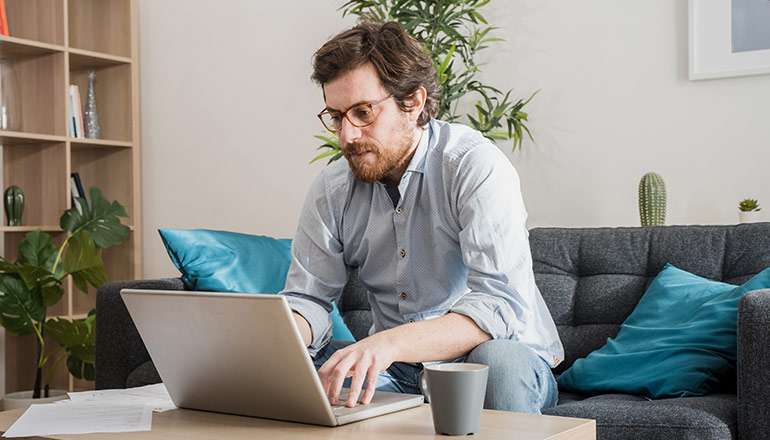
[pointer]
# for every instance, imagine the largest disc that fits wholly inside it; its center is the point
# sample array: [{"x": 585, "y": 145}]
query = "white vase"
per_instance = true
[
  {"x": 749, "y": 216},
  {"x": 23, "y": 399}
]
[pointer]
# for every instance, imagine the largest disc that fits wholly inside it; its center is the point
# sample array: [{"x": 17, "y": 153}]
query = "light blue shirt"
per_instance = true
[{"x": 455, "y": 241}]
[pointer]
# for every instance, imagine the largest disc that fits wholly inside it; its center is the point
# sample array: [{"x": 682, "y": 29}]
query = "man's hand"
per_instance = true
[
  {"x": 440, "y": 339},
  {"x": 363, "y": 361}
]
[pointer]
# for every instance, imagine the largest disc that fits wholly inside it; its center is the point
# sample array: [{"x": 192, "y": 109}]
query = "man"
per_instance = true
[{"x": 431, "y": 214}]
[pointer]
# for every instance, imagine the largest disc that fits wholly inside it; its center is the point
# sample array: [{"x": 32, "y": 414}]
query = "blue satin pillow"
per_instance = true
[
  {"x": 680, "y": 340},
  {"x": 221, "y": 261}
]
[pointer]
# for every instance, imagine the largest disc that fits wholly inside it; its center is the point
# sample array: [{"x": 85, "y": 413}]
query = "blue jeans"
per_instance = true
[{"x": 519, "y": 379}]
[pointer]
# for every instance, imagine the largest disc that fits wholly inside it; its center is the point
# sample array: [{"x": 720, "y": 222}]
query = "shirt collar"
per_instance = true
[{"x": 417, "y": 164}]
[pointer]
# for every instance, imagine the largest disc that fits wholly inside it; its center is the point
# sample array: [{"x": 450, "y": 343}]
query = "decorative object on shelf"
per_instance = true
[
  {"x": 91, "y": 118},
  {"x": 652, "y": 200},
  {"x": 748, "y": 211},
  {"x": 33, "y": 283},
  {"x": 455, "y": 33},
  {"x": 14, "y": 205},
  {"x": 10, "y": 106}
]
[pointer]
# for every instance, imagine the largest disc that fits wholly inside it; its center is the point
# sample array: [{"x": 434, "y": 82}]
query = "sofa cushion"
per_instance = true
[
  {"x": 223, "y": 261},
  {"x": 624, "y": 416},
  {"x": 576, "y": 266},
  {"x": 679, "y": 341}
]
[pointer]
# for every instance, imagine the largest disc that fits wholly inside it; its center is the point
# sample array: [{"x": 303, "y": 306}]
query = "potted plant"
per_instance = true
[
  {"x": 453, "y": 32},
  {"x": 33, "y": 283},
  {"x": 748, "y": 211}
]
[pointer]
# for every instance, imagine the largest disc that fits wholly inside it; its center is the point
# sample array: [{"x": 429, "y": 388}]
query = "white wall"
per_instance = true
[{"x": 228, "y": 114}]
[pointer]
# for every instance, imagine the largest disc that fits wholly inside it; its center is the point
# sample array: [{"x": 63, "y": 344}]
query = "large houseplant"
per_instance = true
[
  {"x": 34, "y": 281},
  {"x": 453, "y": 32}
]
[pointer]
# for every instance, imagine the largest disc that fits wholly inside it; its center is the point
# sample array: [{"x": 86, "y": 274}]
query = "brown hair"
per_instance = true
[{"x": 402, "y": 63}]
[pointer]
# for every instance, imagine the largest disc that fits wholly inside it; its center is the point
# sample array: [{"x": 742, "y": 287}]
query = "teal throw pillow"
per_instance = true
[
  {"x": 680, "y": 340},
  {"x": 222, "y": 261}
]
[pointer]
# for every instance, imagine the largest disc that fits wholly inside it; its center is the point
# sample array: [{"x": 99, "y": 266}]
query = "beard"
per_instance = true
[{"x": 385, "y": 159}]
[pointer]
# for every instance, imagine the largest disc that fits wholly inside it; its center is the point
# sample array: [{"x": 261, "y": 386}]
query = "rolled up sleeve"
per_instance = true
[{"x": 494, "y": 245}]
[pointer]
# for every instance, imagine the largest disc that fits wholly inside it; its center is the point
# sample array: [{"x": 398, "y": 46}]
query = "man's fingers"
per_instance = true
[
  {"x": 339, "y": 373},
  {"x": 326, "y": 370},
  {"x": 371, "y": 384},
  {"x": 359, "y": 375}
]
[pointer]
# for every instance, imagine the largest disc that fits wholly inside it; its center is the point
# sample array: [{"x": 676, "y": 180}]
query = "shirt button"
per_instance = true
[
  {"x": 411, "y": 321},
  {"x": 399, "y": 210},
  {"x": 403, "y": 295},
  {"x": 403, "y": 253}
]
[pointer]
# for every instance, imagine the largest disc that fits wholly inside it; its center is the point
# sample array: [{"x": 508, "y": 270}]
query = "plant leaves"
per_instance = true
[
  {"x": 37, "y": 249},
  {"x": 20, "y": 307},
  {"x": 84, "y": 262},
  {"x": 100, "y": 220},
  {"x": 78, "y": 339}
]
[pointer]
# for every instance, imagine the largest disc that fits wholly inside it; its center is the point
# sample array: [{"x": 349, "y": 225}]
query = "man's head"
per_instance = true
[{"x": 380, "y": 88}]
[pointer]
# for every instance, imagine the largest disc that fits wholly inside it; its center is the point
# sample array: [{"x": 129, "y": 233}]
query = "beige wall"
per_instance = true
[{"x": 228, "y": 114}]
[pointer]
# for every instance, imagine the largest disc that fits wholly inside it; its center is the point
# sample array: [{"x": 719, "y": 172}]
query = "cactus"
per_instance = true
[
  {"x": 748, "y": 205},
  {"x": 652, "y": 200}
]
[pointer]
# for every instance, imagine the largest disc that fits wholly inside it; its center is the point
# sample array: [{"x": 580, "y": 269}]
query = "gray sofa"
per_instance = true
[{"x": 591, "y": 278}]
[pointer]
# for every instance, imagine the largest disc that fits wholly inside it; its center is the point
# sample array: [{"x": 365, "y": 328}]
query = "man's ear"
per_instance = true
[{"x": 416, "y": 102}]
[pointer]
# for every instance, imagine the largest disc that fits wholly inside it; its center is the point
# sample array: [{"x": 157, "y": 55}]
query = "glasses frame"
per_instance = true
[{"x": 345, "y": 114}]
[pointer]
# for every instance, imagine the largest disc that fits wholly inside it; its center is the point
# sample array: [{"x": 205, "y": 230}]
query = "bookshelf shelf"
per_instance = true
[
  {"x": 78, "y": 143},
  {"x": 85, "y": 59},
  {"x": 52, "y": 44},
  {"x": 9, "y": 138},
  {"x": 12, "y": 47}
]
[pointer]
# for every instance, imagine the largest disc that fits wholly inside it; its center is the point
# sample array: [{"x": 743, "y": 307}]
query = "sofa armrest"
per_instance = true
[
  {"x": 119, "y": 348},
  {"x": 754, "y": 364}
]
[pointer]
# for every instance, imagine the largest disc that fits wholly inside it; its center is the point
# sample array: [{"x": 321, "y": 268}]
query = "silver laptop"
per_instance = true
[{"x": 240, "y": 354}]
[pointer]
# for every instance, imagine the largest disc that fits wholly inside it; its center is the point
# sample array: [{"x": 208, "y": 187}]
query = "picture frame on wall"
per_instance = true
[{"x": 728, "y": 38}]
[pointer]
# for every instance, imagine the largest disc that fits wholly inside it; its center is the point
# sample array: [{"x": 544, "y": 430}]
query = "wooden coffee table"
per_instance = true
[{"x": 415, "y": 423}]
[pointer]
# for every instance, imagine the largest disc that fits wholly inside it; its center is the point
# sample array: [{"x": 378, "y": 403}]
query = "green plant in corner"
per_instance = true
[
  {"x": 453, "y": 32},
  {"x": 749, "y": 205},
  {"x": 33, "y": 283}
]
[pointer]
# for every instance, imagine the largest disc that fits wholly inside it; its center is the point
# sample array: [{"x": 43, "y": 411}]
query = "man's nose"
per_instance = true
[{"x": 348, "y": 132}]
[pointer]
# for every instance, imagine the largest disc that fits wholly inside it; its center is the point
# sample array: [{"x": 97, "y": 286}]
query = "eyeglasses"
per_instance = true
[{"x": 358, "y": 116}]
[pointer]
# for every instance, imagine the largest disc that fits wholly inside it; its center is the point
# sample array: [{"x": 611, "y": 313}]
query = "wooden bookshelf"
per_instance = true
[{"x": 52, "y": 44}]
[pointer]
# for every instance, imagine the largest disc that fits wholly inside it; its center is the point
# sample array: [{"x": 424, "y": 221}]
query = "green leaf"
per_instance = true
[
  {"x": 84, "y": 262},
  {"x": 20, "y": 308},
  {"x": 37, "y": 249},
  {"x": 78, "y": 339},
  {"x": 324, "y": 154},
  {"x": 100, "y": 220},
  {"x": 446, "y": 61}
]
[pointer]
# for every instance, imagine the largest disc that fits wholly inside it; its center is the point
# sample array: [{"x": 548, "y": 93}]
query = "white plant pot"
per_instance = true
[
  {"x": 750, "y": 216},
  {"x": 23, "y": 399}
]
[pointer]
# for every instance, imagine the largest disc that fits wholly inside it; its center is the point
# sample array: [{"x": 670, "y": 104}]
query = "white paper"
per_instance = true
[
  {"x": 81, "y": 418},
  {"x": 154, "y": 395}
]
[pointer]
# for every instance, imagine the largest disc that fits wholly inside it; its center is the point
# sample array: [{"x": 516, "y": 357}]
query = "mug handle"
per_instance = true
[{"x": 423, "y": 386}]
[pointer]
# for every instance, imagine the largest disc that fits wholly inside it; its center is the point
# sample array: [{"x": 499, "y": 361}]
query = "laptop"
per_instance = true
[{"x": 240, "y": 354}]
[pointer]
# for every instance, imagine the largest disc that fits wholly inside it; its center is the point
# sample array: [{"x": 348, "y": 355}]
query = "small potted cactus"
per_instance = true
[{"x": 748, "y": 211}]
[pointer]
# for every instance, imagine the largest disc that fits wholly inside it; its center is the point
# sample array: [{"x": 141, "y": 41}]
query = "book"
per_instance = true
[
  {"x": 73, "y": 130},
  {"x": 3, "y": 19},
  {"x": 77, "y": 112},
  {"x": 77, "y": 190}
]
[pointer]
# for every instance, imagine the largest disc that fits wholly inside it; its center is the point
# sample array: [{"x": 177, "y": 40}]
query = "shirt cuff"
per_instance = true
[
  {"x": 319, "y": 319},
  {"x": 488, "y": 312}
]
